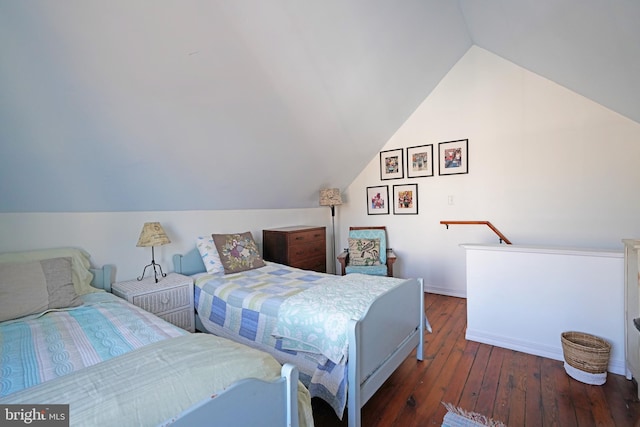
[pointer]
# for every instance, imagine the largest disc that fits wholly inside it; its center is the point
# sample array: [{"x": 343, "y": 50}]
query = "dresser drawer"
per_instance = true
[
  {"x": 304, "y": 237},
  {"x": 167, "y": 300},
  {"x": 184, "y": 318},
  {"x": 318, "y": 264},
  {"x": 306, "y": 250}
]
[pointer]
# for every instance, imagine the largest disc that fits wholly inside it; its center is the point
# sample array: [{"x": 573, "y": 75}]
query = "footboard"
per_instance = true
[
  {"x": 249, "y": 402},
  {"x": 391, "y": 328}
]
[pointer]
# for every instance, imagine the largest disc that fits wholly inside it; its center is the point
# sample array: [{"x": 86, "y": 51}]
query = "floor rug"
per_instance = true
[{"x": 458, "y": 417}]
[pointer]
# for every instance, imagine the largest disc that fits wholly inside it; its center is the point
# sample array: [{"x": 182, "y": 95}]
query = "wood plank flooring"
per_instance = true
[{"x": 516, "y": 388}]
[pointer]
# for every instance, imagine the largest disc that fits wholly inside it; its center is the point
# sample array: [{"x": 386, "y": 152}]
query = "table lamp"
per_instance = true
[{"x": 152, "y": 235}]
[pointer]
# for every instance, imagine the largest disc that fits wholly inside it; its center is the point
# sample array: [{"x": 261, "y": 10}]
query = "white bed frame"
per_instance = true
[
  {"x": 391, "y": 328},
  {"x": 230, "y": 407}
]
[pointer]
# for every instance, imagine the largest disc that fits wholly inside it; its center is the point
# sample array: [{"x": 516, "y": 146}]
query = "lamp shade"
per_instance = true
[
  {"x": 330, "y": 197},
  {"x": 152, "y": 235}
]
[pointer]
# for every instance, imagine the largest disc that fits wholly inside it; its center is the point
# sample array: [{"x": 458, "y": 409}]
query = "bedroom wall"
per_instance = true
[
  {"x": 546, "y": 167},
  {"x": 111, "y": 237}
]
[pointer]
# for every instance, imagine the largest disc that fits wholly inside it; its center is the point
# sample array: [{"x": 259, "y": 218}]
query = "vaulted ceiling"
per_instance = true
[{"x": 201, "y": 104}]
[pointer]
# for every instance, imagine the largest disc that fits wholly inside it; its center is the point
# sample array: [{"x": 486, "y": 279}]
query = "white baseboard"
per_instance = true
[
  {"x": 444, "y": 291},
  {"x": 616, "y": 366}
]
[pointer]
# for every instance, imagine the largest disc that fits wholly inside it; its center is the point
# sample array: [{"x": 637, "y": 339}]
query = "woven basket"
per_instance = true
[{"x": 586, "y": 352}]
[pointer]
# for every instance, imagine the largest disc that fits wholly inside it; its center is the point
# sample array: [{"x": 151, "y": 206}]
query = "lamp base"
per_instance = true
[{"x": 155, "y": 272}]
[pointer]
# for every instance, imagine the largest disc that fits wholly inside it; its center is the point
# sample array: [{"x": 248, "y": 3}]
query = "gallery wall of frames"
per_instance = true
[{"x": 453, "y": 159}]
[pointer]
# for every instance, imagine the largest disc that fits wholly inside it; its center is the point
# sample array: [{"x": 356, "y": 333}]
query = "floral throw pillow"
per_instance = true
[
  {"x": 364, "y": 251},
  {"x": 238, "y": 252}
]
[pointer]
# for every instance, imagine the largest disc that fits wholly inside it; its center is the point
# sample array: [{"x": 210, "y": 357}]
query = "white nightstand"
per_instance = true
[{"x": 171, "y": 298}]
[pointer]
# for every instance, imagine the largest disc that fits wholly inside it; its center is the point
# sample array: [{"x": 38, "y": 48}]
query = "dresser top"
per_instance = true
[{"x": 295, "y": 228}]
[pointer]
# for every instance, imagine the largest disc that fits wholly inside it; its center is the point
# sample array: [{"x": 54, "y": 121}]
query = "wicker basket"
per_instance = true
[{"x": 586, "y": 352}]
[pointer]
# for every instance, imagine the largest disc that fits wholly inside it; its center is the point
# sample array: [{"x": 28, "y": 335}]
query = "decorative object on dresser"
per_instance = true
[
  {"x": 152, "y": 234},
  {"x": 171, "y": 300},
  {"x": 331, "y": 197},
  {"x": 632, "y": 309},
  {"x": 299, "y": 246},
  {"x": 368, "y": 252}
]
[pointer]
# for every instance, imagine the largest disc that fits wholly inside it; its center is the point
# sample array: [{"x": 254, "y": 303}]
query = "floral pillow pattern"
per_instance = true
[
  {"x": 238, "y": 252},
  {"x": 364, "y": 251}
]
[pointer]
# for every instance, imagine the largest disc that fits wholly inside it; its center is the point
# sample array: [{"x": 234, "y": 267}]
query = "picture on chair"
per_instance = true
[
  {"x": 405, "y": 199},
  {"x": 392, "y": 164},
  {"x": 378, "y": 200}
]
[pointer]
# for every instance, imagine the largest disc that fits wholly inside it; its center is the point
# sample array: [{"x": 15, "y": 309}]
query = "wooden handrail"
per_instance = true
[{"x": 487, "y": 223}]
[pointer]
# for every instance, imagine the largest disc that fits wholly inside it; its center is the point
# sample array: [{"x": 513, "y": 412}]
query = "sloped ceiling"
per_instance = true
[{"x": 197, "y": 105}]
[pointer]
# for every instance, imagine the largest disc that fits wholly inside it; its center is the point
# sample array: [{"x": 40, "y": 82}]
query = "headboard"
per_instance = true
[
  {"x": 103, "y": 277},
  {"x": 189, "y": 263}
]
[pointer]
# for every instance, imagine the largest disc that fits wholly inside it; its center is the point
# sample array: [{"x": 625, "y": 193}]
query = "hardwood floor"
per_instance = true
[{"x": 516, "y": 388}]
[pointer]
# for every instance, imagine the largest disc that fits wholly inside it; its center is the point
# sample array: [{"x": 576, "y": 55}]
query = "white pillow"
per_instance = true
[
  {"x": 80, "y": 264},
  {"x": 32, "y": 287},
  {"x": 209, "y": 254}
]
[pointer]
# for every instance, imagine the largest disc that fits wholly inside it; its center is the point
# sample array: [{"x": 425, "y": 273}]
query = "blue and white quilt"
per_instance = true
[
  {"x": 299, "y": 316},
  {"x": 316, "y": 319}
]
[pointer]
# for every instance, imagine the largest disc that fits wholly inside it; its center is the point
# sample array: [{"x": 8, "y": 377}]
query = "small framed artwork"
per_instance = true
[
  {"x": 420, "y": 161},
  {"x": 405, "y": 199},
  {"x": 391, "y": 164},
  {"x": 454, "y": 157},
  {"x": 378, "y": 200}
]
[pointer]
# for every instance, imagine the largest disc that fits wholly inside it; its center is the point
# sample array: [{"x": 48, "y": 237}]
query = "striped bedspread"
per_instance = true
[{"x": 39, "y": 348}]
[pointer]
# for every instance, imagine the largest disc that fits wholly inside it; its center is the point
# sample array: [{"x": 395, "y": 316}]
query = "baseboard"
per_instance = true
[
  {"x": 616, "y": 366},
  {"x": 444, "y": 291}
]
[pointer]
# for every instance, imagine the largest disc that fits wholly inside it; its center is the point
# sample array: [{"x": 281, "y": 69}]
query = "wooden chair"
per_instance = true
[{"x": 387, "y": 256}]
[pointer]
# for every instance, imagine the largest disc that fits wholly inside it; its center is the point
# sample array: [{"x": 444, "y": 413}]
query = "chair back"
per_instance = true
[{"x": 372, "y": 232}]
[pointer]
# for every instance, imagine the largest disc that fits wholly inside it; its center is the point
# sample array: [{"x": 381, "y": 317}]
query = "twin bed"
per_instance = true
[
  {"x": 307, "y": 334},
  {"x": 346, "y": 334},
  {"x": 64, "y": 340}
]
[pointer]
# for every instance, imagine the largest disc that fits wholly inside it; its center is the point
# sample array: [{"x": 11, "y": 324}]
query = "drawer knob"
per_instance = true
[{"x": 165, "y": 300}]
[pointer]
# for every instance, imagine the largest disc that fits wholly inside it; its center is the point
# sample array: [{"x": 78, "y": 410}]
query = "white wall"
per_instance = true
[
  {"x": 111, "y": 237},
  {"x": 546, "y": 166},
  {"x": 524, "y": 297}
]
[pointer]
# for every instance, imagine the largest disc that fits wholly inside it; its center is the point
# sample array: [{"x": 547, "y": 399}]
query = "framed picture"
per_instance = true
[
  {"x": 391, "y": 164},
  {"x": 405, "y": 199},
  {"x": 378, "y": 200},
  {"x": 454, "y": 157},
  {"x": 420, "y": 161}
]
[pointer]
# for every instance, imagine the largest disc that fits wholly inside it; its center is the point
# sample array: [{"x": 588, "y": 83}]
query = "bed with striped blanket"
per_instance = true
[{"x": 115, "y": 364}]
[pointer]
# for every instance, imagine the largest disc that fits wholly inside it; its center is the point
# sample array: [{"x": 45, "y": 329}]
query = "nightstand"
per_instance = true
[{"x": 171, "y": 298}]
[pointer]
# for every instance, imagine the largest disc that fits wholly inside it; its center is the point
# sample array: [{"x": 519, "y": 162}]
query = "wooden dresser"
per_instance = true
[{"x": 298, "y": 246}]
